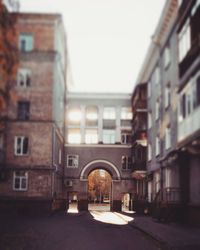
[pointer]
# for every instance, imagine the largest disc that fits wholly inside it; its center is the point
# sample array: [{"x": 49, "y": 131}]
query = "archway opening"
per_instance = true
[{"x": 99, "y": 190}]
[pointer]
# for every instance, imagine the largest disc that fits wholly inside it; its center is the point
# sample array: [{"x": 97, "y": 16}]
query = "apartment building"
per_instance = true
[
  {"x": 139, "y": 150},
  {"x": 188, "y": 138},
  {"x": 31, "y": 177},
  {"x": 171, "y": 70},
  {"x": 160, "y": 72},
  {"x": 98, "y": 136}
]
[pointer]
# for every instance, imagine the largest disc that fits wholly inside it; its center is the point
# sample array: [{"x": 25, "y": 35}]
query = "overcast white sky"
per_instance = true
[{"x": 107, "y": 39}]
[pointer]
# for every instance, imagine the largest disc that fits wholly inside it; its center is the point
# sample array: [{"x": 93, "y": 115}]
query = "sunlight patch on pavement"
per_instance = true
[
  {"x": 72, "y": 209},
  {"x": 111, "y": 217}
]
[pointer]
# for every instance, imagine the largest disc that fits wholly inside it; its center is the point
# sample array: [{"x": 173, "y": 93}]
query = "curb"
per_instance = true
[{"x": 162, "y": 244}]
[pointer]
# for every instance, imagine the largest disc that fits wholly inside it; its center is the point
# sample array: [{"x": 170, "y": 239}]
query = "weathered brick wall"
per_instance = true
[
  {"x": 39, "y": 185},
  {"x": 41, "y": 26},
  {"x": 40, "y": 144}
]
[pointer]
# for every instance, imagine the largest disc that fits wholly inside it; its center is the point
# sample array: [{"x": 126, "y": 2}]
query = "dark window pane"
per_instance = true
[
  {"x": 23, "y": 110},
  {"x": 25, "y": 145},
  {"x": 17, "y": 183},
  {"x": 19, "y": 141},
  {"x": 23, "y": 183}
]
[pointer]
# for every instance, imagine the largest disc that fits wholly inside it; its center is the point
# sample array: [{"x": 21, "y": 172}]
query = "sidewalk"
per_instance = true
[{"x": 170, "y": 236}]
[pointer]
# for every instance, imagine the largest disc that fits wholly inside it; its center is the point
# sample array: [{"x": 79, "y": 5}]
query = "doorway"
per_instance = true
[{"x": 99, "y": 190}]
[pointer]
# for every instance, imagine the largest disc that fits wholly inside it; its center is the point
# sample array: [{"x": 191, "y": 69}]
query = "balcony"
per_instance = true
[
  {"x": 140, "y": 105},
  {"x": 171, "y": 195},
  {"x": 139, "y": 165},
  {"x": 191, "y": 56},
  {"x": 189, "y": 125}
]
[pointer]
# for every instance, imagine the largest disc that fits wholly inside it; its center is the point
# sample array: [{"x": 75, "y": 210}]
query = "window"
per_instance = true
[
  {"x": 109, "y": 113},
  {"x": 74, "y": 116},
  {"x": 23, "y": 110},
  {"x": 195, "y": 7},
  {"x": 149, "y": 88},
  {"x": 26, "y": 42},
  {"x": 126, "y": 137},
  {"x": 126, "y": 113},
  {"x": 157, "y": 109},
  {"x": 167, "y": 96},
  {"x": 21, "y": 145},
  {"x": 198, "y": 91},
  {"x": 126, "y": 162},
  {"x": 157, "y": 146},
  {"x": 167, "y": 137},
  {"x": 74, "y": 136},
  {"x": 72, "y": 161},
  {"x": 149, "y": 120},
  {"x": 108, "y": 136},
  {"x": 91, "y": 116},
  {"x": 20, "y": 181},
  {"x": 24, "y": 78},
  {"x": 167, "y": 57},
  {"x": 156, "y": 75},
  {"x": 184, "y": 40},
  {"x": 59, "y": 156},
  {"x": 91, "y": 136},
  {"x": 149, "y": 152}
]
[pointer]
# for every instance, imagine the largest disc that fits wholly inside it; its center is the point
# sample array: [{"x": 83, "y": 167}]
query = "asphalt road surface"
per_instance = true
[{"x": 95, "y": 230}]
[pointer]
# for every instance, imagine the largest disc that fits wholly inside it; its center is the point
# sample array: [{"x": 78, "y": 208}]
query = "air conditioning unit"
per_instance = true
[{"x": 68, "y": 183}]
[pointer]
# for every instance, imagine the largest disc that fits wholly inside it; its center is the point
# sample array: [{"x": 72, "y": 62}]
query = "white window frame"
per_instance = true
[
  {"x": 149, "y": 152},
  {"x": 21, "y": 178},
  {"x": 74, "y": 136},
  {"x": 124, "y": 137},
  {"x": 168, "y": 137},
  {"x": 128, "y": 162},
  {"x": 91, "y": 136},
  {"x": 157, "y": 109},
  {"x": 184, "y": 40},
  {"x": 167, "y": 96},
  {"x": 21, "y": 145},
  {"x": 109, "y": 113},
  {"x": 29, "y": 42},
  {"x": 167, "y": 57},
  {"x": 149, "y": 88},
  {"x": 23, "y": 76},
  {"x": 74, "y": 159},
  {"x": 126, "y": 113},
  {"x": 149, "y": 120},
  {"x": 157, "y": 145},
  {"x": 109, "y": 134},
  {"x": 59, "y": 156}
]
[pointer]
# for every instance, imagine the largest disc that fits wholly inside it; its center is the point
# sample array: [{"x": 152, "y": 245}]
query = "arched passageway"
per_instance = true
[{"x": 114, "y": 196}]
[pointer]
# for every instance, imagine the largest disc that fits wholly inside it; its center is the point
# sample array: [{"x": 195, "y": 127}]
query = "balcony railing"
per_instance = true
[{"x": 171, "y": 195}]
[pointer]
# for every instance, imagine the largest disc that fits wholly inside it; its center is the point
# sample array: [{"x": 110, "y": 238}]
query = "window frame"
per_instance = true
[
  {"x": 73, "y": 157},
  {"x": 127, "y": 163},
  {"x": 23, "y": 110},
  {"x": 21, "y": 178},
  {"x": 21, "y": 146},
  {"x": 26, "y": 75},
  {"x": 28, "y": 40}
]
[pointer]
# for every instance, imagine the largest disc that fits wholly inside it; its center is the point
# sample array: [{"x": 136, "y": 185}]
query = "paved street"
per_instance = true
[{"x": 95, "y": 230}]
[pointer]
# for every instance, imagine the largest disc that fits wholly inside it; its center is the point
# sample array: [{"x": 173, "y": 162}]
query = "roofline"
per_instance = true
[{"x": 165, "y": 22}]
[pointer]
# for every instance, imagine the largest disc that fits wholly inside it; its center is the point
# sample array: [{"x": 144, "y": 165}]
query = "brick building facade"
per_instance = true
[{"x": 34, "y": 141}]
